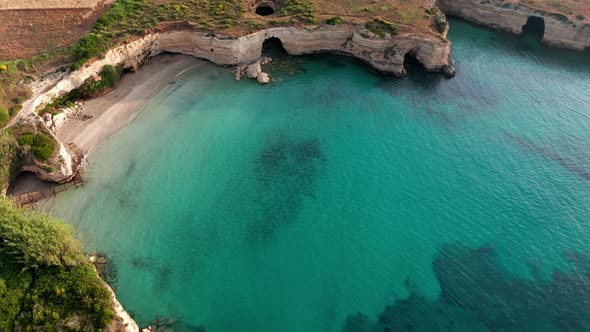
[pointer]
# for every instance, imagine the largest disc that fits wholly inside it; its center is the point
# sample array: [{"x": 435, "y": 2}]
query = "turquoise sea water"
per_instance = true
[{"x": 339, "y": 200}]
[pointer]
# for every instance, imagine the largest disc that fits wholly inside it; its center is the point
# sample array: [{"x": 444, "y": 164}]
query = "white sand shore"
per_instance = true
[{"x": 116, "y": 109}]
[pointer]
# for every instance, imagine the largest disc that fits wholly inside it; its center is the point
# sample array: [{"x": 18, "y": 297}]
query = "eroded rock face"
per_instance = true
[
  {"x": 385, "y": 54},
  {"x": 496, "y": 14},
  {"x": 122, "y": 322},
  {"x": 56, "y": 169}
]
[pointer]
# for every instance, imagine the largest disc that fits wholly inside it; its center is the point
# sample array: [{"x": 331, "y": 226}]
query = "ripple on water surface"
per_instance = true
[{"x": 339, "y": 200}]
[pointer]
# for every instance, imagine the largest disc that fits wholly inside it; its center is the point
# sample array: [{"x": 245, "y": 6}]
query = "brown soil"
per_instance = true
[{"x": 29, "y": 32}]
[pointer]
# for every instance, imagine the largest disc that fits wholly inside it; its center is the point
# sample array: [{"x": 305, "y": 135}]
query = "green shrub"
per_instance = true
[
  {"x": 336, "y": 20},
  {"x": 10, "y": 158},
  {"x": 61, "y": 292},
  {"x": 302, "y": 10},
  {"x": 13, "y": 111},
  {"x": 44, "y": 278},
  {"x": 38, "y": 240},
  {"x": 43, "y": 146},
  {"x": 4, "y": 116},
  {"x": 14, "y": 284},
  {"x": 380, "y": 26},
  {"x": 580, "y": 17},
  {"x": 441, "y": 23},
  {"x": 25, "y": 139},
  {"x": 18, "y": 99},
  {"x": 109, "y": 77}
]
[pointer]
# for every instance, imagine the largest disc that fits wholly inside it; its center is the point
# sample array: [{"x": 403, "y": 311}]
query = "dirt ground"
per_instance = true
[
  {"x": 28, "y": 32},
  {"x": 49, "y": 4}
]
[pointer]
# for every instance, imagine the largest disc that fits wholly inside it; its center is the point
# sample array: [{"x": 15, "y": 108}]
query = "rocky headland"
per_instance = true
[{"x": 560, "y": 30}]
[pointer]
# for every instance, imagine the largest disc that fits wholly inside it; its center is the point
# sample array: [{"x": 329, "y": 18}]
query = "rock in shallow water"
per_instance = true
[
  {"x": 254, "y": 70},
  {"x": 263, "y": 78}
]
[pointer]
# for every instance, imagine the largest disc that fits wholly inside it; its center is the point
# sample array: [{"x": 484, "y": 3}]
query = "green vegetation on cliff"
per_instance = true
[
  {"x": 10, "y": 158},
  {"x": 109, "y": 77},
  {"x": 45, "y": 282},
  {"x": 129, "y": 17}
]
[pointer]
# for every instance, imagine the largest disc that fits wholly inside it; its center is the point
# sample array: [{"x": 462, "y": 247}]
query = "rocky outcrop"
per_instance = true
[
  {"x": 559, "y": 30},
  {"x": 384, "y": 54},
  {"x": 122, "y": 322},
  {"x": 58, "y": 167}
]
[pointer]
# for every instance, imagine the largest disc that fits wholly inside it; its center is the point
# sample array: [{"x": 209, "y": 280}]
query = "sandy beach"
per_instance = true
[
  {"x": 105, "y": 115},
  {"x": 109, "y": 113}
]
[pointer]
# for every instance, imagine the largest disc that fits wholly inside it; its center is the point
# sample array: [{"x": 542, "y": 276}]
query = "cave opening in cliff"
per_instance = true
[
  {"x": 411, "y": 64},
  {"x": 273, "y": 47},
  {"x": 264, "y": 9},
  {"x": 534, "y": 27}
]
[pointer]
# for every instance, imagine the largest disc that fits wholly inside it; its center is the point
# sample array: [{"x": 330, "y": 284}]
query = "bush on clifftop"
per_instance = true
[
  {"x": 45, "y": 282},
  {"x": 10, "y": 158},
  {"x": 37, "y": 239},
  {"x": 336, "y": 20}
]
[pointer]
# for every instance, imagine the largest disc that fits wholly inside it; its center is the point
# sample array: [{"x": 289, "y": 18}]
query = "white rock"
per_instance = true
[
  {"x": 263, "y": 78},
  {"x": 254, "y": 69}
]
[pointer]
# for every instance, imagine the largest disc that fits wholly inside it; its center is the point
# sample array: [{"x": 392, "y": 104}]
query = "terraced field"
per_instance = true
[
  {"x": 29, "y": 28},
  {"x": 49, "y": 4}
]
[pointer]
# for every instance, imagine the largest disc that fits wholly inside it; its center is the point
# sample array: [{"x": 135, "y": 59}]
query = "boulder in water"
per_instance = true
[
  {"x": 263, "y": 78},
  {"x": 254, "y": 70}
]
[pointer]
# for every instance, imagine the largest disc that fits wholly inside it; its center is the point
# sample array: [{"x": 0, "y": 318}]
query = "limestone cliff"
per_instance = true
[
  {"x": 559, "y": 30},
  {"x": 56, "y": 169},
  {"x": 385, "y": 54},
  {"x": 122, "y": 322}
]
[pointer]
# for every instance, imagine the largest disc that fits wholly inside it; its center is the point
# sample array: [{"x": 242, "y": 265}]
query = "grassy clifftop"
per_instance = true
[{"x": 46, "y": 284}]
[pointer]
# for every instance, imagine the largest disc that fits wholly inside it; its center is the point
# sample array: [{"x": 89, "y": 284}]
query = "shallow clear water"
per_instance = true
[{"x": 421, "y": 204}]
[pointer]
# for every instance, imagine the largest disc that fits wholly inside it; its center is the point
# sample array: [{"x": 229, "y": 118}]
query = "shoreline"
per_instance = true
[
  {"x": 118, "y": 108},
  {"x": 112, "y": 111}
]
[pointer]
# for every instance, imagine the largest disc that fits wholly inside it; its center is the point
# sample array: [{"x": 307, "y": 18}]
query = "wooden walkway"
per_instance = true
[{"x": 28, "y": 200}]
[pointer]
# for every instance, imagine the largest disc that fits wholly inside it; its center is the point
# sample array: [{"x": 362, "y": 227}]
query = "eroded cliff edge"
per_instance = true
[
  {"x": 560, "y": 31},
  {"x": 386, "y": 54}
]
